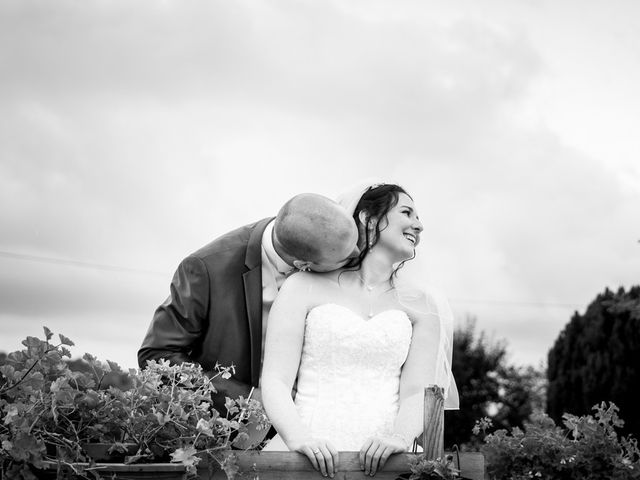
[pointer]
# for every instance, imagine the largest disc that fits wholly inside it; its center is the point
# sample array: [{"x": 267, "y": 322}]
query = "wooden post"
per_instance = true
[{"x": 433, "y": 433}]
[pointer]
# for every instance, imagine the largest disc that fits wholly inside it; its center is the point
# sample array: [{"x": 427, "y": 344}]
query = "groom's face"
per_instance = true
[
  {"x": 337, "y": 258},
  {"x": 329, "y": 266}
]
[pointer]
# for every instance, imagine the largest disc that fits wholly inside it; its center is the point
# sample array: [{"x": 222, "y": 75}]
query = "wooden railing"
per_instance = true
[
  {"x": 256, "y": 465},
  {"x": 260, "y": 465},
  {"x": 433, "y": 423}
]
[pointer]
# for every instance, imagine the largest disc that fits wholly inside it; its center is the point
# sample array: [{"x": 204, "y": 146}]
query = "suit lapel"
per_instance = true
[{"x": 253, "y": 296}]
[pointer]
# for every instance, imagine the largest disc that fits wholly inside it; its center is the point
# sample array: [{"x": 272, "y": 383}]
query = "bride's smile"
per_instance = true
[{"x": 400, "y": 231}]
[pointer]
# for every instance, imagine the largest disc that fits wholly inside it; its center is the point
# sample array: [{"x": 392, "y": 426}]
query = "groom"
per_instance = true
[{"x": 221, "y": 295}]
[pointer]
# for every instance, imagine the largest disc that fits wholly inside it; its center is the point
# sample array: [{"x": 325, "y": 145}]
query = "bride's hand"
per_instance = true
[
  {"x": 323, "y": 456},
  {"x": 376, "y": 451}
]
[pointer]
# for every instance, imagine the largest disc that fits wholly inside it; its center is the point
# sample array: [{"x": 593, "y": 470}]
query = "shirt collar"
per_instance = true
[{"x": 275, "y": 259}]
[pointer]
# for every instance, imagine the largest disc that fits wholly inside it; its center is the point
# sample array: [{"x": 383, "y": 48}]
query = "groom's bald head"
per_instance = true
[{"x": 314, "y": 231}]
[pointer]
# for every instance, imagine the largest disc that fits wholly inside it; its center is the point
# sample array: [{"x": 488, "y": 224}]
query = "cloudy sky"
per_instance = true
[{"x": 132, "y": 133}]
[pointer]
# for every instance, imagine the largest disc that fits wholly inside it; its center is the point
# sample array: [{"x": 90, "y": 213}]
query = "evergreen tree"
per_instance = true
[{"x": 597, "y": 358}]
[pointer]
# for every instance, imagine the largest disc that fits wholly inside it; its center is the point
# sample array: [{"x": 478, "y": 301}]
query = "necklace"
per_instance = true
[{"x": 370, "y": 288}]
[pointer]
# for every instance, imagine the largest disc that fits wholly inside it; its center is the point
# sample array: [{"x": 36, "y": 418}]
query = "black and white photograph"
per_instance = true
[{"x": 328, "y": 238}]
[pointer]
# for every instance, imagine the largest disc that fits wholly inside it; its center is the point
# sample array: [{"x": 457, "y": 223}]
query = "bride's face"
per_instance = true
[{"x": 400, "y": 232}]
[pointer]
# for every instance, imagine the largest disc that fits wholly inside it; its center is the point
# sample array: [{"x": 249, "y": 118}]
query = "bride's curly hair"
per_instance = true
[{"x": 377, "y": 201}]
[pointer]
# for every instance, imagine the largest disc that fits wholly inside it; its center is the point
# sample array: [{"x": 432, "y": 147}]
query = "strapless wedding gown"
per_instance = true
[{"x": 349, "y": 375}]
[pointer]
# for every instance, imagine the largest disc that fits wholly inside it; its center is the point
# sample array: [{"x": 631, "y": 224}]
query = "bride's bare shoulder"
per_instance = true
[{"x": 305, "y": 280}]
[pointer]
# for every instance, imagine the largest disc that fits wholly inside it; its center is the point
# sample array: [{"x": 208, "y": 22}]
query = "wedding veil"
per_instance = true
[{"x": 424, "y": 301}]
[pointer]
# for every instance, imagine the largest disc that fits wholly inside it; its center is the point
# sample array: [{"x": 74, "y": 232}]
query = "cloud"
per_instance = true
[
  {"x": 101, "y": 109},
  {"x": 134, "y": 133}
]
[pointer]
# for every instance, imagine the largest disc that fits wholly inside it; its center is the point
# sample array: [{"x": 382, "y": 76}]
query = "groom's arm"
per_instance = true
[{"x": 179, "y": 326}]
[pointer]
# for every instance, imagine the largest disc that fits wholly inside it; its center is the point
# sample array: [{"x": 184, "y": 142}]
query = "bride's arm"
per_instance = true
[
  {"x": 419, "y": 370},
  {"x": 283, "y": 349}
]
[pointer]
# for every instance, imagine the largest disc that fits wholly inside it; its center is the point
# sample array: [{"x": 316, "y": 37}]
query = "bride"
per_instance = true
[{"x": 361, "y": 344}]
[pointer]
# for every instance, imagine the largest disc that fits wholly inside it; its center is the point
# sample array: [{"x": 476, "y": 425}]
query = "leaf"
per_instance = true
[
  {"x": 186, "y": 456},
  {"x": 48, "y": 334},
  {"x": 135, "y": 458},
  {"x": 57, "y": 384},
  {"x": 114, "y": 367},
  {"x": 162, "y": 419},
  {"x": 230, "y": 466},
  {"x": 89, "y": 358},
  {"x": 65, "y": 341},
  {"x": 204, "y": 427},
  {"x": 12, "y": 413},
  {"x": 118, "y": 447},
  {"x": 7, "y": 371},
  {"x": 27, "y": 447},
  {"x": 32, "y": 342},
  {"x": 241, "y": 439},
  {"x": 65, "y": 352},
  {"x": 17, "y": 357}
]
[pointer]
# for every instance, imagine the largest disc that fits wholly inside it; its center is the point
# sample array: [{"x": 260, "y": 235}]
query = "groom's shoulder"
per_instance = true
[{"x": 235, "y": 241}]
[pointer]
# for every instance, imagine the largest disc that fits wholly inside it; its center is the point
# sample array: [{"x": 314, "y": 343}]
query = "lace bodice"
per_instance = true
[{"x": 349, "y": 374}]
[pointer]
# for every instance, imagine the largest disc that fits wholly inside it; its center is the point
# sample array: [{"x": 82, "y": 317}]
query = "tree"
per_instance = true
[
  {"x": 597, "y": 358},
  {"x": 489, "y": 387},
  {"x": 476, "y": 363},
  {"x": 522, "y": 393}
]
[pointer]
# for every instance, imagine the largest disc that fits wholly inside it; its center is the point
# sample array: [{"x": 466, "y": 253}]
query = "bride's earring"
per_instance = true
[
  {"x": 370, "y": 237},
  {"x": 368, "y": 226}
]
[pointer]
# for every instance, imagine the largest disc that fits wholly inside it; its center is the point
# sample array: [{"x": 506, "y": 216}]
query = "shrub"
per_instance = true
[
  {"x": 586, "y": 448},
  {"x": 50, "y": 413}
]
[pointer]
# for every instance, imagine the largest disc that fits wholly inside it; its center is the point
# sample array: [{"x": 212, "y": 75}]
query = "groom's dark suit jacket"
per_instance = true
[{"x": 214, "y": 312}]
